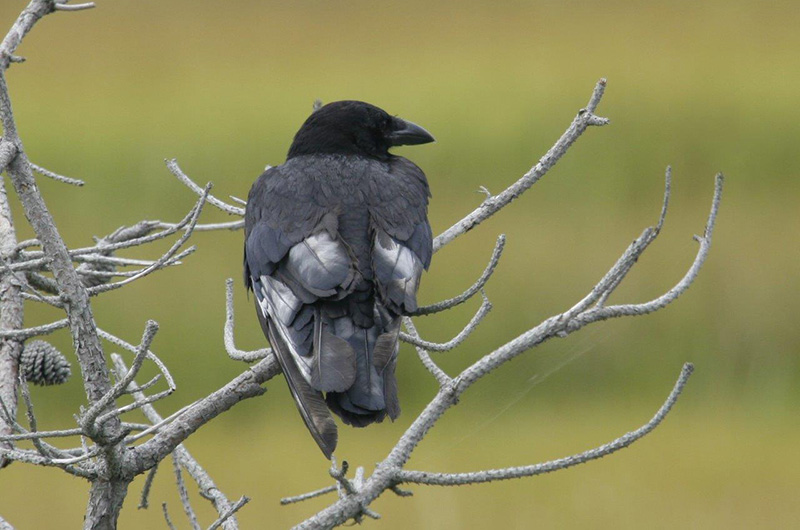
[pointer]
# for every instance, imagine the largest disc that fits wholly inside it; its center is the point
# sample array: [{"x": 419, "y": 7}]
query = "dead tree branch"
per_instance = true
[
  {"x": 390, "y": 472},
  {"x": 109, "y": 456}
]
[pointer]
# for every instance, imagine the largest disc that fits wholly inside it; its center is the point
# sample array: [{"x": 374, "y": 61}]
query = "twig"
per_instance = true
[
  {"x": 473, "y": 289},
  {"x": 425, "y": 357},
  {"x": 174, "y": 168},
  {"x": 492, "y": 205},
  {"x": 458, "y": 479},
  {"x": 88, "y": 419},
  {"x": 483, "y": 310},
  {"x": 64, "y": 433},
  {"x": 208, "y": 227},
  {"x": 155, "y": 426},
  {"x": 310, "y": 495},
  {"x": 59, "y": 6},
  {"x": 166, "y": 516},
  {"x": 113, "y": 339},
  {"x": 191, "y": 222},
  {"x": 345, "y": 487},
  {"x": 148, "y": 484},
  {"x": 208, "y": 488},
  {"x": 26, "y": 333},
  {"x": 31, "y": 415},
  {"x": 230, "y": 344},
  {"x": 229, "y": 513},
  {"x": 187, "y": 506},
  {"x": 56, "y": 176}
]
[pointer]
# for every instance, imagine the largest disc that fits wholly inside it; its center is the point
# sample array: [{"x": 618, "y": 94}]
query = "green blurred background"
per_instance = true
[{"x": 107, "y": 94}]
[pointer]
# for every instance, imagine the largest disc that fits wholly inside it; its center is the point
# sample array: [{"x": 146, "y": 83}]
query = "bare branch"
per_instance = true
[
  {"x": 29, "y": 16},
  {"x": 149, "y": 429},
  {"x": 113, "y": 339},
  {"x": 148, "y": 484},
  {"x": 387, "y": 472},
  {"x": 425, "y": 357},
  {"x": 208, "y": 227},
  {"x": 229, "y": 513},
  {"x": 42, "y": 434},
  {"x": 88, "y": 419},
  {"x": 187, "y": 506},
  {"x": 169, "y": 254},
  {"x": 55, "y": 176},
  {"x": 458, "y": 479},
  {"x": 310, "y": 495},
  {"x": 5, "y": 525},
  {"x": 63, "y": 6},
  {"x": 492, "y": 205},
  {"x": 166, "y": 516},
  {"x": 26, "y": 333},
  {"x": 208, "y": 489},
  {"x": 648, "y": 237},
  {"x": 483, "y": 310},
  {"x": 244, "y": 386},
  {"x": 230, "y": 344},
  {"x": 175, "y": 169},
  {"x": 474, "y": 288},
  {"x": 603, "y": 313}
]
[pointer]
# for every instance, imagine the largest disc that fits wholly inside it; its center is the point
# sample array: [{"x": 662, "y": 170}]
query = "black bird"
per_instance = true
[{"x": 336, "y": 239}]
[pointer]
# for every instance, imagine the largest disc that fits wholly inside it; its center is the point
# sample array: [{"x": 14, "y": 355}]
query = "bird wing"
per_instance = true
[
  {"x": 403, "y": 241},
  {"x": 293, "y": 257}
]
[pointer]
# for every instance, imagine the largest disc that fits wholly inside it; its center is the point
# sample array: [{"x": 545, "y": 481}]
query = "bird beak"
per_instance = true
[{"x": 409, "y": 133}]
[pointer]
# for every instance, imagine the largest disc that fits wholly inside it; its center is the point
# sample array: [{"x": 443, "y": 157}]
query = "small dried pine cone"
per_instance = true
[{"x": 43, "y": 364}]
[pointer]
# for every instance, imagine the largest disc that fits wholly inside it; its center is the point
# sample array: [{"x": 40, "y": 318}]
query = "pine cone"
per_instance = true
[{"x": 43, "y": 364}]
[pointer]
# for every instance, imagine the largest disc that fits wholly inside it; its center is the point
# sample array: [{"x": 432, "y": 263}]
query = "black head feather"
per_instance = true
[{"x": 354, "y": 128}]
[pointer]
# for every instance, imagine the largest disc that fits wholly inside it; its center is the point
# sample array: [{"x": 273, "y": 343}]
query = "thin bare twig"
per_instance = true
[
  {"x": 310, "y": 495},
  {"x": 229, "y": 513},
  {"x": 174, "y": 168},
  {"x": 144, "y": 501},
  {"x": 187, "y": 506},
  {"x": 55, "y": 176},
  {"x": 63, "y": 6},
  {"x": 425, "y": 357},
  {"x": 113, "y": 339},
  {"x": 473, "y": 289},
  {"x": 166, "y": 516},
  {"x": 483, "y": 310},
  {"x": 230, "y": 344},
  {"x": 26, "y": 333},
  {"x": 88, "y": 419}
]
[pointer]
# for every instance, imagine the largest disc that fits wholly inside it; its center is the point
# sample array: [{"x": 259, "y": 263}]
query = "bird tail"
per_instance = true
[
  {"x": 309, "y": 401},
  {"x": 373, "y": 394}
]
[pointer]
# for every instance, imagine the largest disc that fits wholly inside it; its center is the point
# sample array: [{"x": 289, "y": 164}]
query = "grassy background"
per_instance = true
[{"x": 107, "y": 94}]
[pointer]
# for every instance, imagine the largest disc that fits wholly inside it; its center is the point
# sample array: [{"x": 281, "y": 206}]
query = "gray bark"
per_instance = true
[{"x": 11, "y": 313}]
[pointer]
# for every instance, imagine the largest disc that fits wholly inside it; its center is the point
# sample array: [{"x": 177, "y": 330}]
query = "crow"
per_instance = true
[{"x": 336, "y": 240}]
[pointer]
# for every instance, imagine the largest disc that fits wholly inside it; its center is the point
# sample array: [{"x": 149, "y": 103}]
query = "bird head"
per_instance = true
[{"x": 357, "y": 128}]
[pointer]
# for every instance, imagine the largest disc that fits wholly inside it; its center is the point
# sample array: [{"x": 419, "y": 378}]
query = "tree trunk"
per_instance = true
[{"x": 105, "y": 502}]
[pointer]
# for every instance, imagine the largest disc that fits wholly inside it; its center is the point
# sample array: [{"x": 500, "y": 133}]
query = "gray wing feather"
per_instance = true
[
  {"x": 398, "y": 271},
  {"x": 334, "y": 367},
  {"x": 321, "y": 264},
  {"x": 309, "y": 402}
]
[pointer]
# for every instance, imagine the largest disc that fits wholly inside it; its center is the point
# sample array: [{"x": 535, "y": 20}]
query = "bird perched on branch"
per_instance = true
[{"x": 336, "y": 239}]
